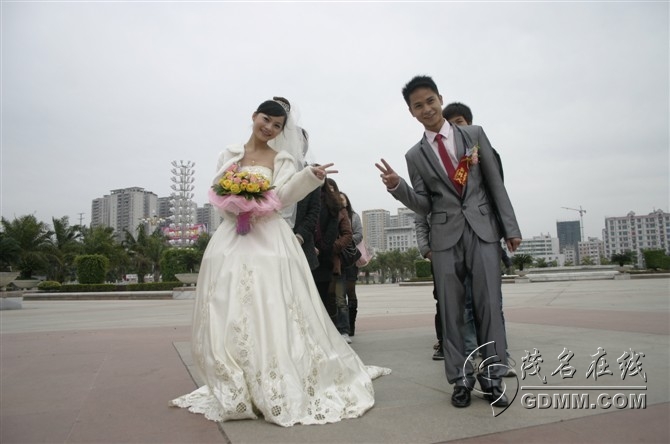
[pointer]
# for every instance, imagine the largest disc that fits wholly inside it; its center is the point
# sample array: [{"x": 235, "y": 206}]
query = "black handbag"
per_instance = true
[{"x": 349, "y": 255}]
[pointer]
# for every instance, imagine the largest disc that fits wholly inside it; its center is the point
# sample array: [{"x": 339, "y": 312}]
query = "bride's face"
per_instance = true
[{"x": 267, "y": 127}]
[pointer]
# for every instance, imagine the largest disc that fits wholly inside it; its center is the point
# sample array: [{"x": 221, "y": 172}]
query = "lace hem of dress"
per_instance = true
[
  {"x": 203, "y": 402},
  {"x": 375, "y": 372}
]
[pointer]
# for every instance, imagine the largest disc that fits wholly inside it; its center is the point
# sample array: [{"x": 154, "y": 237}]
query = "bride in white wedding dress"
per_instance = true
[{"x": 262, "y": 339}]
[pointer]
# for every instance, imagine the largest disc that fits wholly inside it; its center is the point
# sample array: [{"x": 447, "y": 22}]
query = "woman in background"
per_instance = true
[
  {"x": 350, "y": 273},
  {"x": 333, "y": 234}
]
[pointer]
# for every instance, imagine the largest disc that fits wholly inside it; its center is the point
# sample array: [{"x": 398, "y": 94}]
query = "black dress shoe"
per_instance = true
[
  {"x": 496, "y": 397},
  {"x": 461, "y": 396},
  {"x": 493, "y": 390}
]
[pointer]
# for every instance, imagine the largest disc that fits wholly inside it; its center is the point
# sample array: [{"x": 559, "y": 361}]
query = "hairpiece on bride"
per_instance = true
[{"x": 284, "y": 103}]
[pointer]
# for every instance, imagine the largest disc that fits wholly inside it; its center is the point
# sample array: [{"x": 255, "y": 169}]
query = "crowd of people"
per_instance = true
[{"x": 276, "y": 303}]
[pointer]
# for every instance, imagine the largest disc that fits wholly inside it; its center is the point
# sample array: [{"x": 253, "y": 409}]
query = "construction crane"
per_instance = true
[{"x": 581, "y": 218}]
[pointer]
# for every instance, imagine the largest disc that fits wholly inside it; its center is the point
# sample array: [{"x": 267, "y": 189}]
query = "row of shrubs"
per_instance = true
[
  {"x": 54, "y": 286},
  {"x": 92, "y": 268},
  {"x": 653, "y": 259}
]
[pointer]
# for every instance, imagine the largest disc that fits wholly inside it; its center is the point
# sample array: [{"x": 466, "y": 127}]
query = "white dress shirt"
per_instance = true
[{"x": 448, "y": 139}]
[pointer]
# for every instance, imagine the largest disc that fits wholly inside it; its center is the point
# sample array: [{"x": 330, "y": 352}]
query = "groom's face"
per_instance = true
[{"x": 426, "y": 107}]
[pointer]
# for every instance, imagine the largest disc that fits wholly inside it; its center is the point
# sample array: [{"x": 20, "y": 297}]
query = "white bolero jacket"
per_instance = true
[{"x": 290, "y": 186}]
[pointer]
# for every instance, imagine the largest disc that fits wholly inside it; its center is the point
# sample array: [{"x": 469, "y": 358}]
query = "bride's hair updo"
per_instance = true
[
  {"x": 283, "y": 102},
  {"x": 275, "y": 108}
]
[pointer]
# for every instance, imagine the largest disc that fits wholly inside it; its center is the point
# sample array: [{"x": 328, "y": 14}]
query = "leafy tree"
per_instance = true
[
  {"x": 423, "y": 268},
  {"x": 178, "y": 260},
  {"x": 541, "y": 263},
  {"x": 383, "y": 265},
  {"x": 66, "y": 245},
  {"x": 371, "y": 267},
  {"x": 91, "y": 268},
  {"x": 624, "y": 258},
  {"x": 395, "y": 264},
  {"x": 137, "y": 252},
  {"x": 145, "y": 252},
  {"x": 101, "y": 240},
  {"x": 409, "y": 258},
  {"x": 33, "y": 239},
  {"x": 520, "y": 260},
  {"x": 157, "y": 244},
  {"x": 588, "y": 260},
  {"x": 10, "y": 252},
  {"x": 200, "y": 246},
  {"x": 656, "y": 259}
]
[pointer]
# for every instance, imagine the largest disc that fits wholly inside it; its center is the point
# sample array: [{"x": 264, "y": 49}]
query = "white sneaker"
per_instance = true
[{"x": 346, "y": 337}]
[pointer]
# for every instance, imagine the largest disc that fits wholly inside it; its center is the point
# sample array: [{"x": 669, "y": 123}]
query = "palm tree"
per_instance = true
[
  {"x": 10, "y": 252},
  {"x": 101, "y": 240},
  {"x": 157, "y": 243},
  {"x": 34, "y": 240},
  {"x": 382, "y": 265},
  {"x": 521, "y": 259},
  {"x": 627, "y": 257},
  {"x": 145, "y": 251},
  {"x": 588, "y": 260},
  {"x": 396, "y": 261},
  {"x": 409, "y": 257},
  {"x": 371, "y": 267},
  {"x": 136, "y": 250},
  {"x": 66, "y": 246}
]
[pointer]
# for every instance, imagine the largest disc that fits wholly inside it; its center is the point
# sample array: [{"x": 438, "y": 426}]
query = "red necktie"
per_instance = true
[{"x": 447, "y": 162}]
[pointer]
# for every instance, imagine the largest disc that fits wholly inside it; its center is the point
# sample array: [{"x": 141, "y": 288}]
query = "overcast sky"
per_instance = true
[{"x": 100, "y": 96}]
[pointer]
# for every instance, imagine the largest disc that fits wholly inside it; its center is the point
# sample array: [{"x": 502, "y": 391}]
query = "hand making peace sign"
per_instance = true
[
  {"x": 322, "y": 170},
  {"x": 389, "y": 176}
]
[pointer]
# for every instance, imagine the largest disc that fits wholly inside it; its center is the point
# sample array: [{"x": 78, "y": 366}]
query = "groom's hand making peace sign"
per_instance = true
[
  {"x": 389, "y": 176},
  {"x": 391, "y": 180}
]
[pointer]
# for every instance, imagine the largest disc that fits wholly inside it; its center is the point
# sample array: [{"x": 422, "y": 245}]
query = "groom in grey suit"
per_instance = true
[{"x": 456, "y": 181}]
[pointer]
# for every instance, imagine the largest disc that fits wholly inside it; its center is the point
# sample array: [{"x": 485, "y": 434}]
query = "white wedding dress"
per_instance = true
[{"x": 262, "y": 339}]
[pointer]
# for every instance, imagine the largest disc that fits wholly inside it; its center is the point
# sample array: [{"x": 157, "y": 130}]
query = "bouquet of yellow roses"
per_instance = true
[{"x": 244, "y": 193}]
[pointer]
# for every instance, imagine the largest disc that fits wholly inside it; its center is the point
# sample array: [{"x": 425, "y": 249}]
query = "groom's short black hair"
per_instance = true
[
  {"x": 418, "y": 82},
  {"x": 456, "y": 109}
]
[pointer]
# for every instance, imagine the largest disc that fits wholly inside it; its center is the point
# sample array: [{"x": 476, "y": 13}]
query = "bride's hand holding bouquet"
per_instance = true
[{"x": 246, "y": 194}]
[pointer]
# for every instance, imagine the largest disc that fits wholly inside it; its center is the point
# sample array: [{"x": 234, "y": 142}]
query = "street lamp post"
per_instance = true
[{"x": 152, "y": 222}]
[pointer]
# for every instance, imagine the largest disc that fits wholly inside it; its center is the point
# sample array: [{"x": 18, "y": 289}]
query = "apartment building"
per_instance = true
[{"x": 637, "y": 233}]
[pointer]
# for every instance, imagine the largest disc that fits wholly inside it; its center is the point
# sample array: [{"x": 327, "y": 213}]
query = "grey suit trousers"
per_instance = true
[{"x": 471, "y": 255}]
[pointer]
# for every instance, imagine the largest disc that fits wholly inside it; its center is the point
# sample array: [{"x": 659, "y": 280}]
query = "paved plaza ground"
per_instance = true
[{"x": 104, "y": 371}]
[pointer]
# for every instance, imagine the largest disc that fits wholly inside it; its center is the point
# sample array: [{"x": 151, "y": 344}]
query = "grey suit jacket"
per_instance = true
[
  {"x": 422, "y": 229},
  {"x": 483, "y": 197}
]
